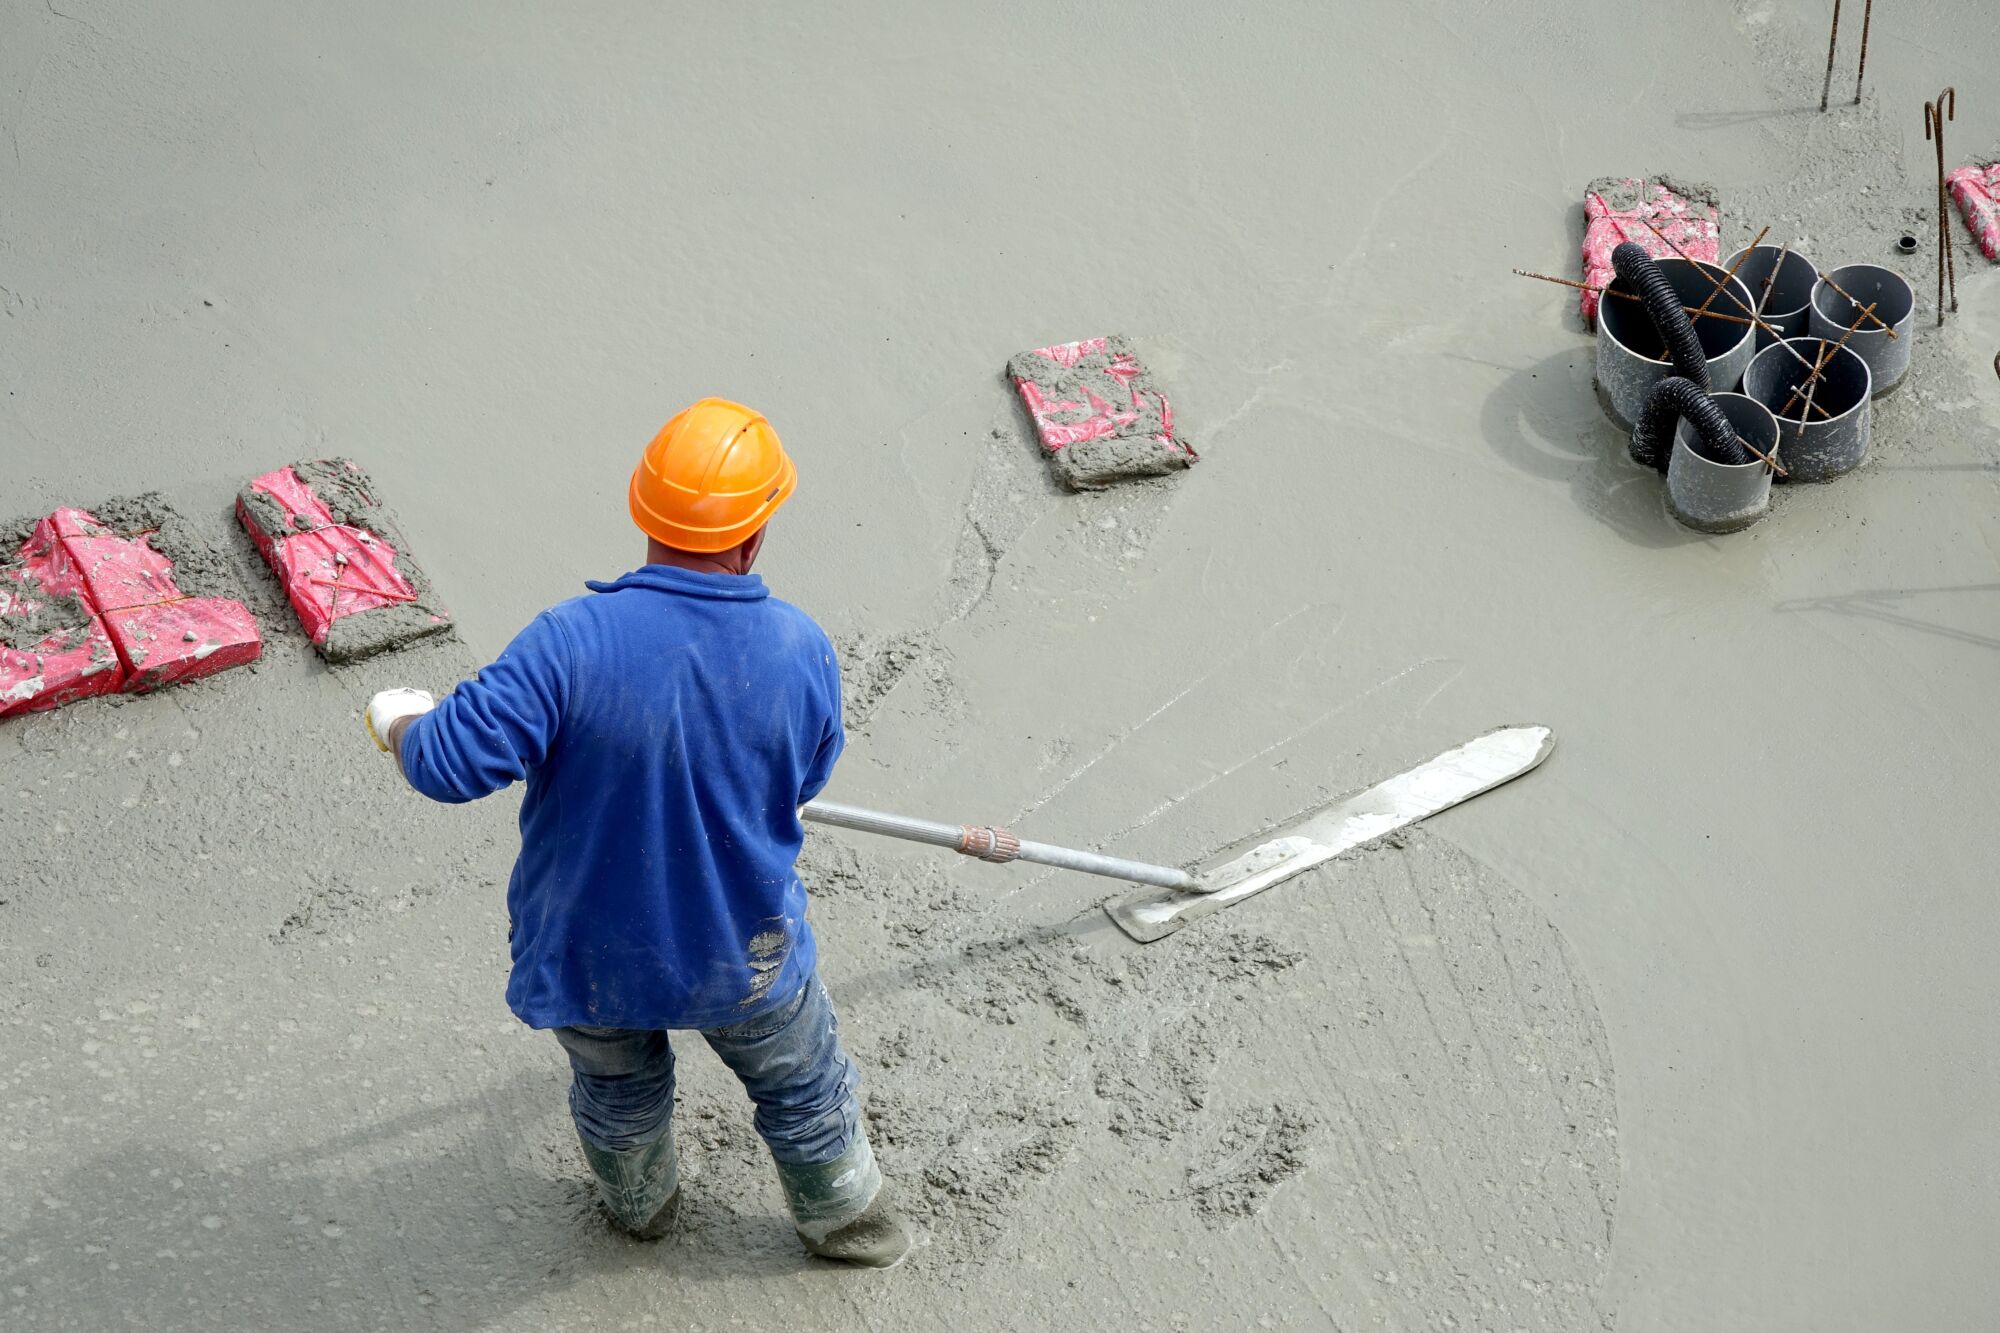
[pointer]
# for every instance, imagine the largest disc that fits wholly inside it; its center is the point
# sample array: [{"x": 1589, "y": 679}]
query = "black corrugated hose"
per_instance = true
[
  {"x": 1673, "y": 398},
  {"x": 1663, "y": 303}
]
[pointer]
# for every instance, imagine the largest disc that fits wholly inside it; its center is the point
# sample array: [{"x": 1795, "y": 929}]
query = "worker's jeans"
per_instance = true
[{"x": 790, "y": 1060}]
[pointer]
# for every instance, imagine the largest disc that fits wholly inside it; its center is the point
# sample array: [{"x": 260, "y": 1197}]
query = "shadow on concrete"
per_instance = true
[
  {"x": 1546, "y": 421},
  {"x": 1891, "y": 607},
  {"x": 447, "y": 1218}
]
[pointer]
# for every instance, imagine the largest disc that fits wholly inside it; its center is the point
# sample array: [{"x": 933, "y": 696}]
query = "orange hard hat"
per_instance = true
[{"x": 713, "y": 476}]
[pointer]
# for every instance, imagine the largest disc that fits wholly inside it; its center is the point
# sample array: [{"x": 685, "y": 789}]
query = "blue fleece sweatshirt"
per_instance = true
[{"x": 668, "y": 727}]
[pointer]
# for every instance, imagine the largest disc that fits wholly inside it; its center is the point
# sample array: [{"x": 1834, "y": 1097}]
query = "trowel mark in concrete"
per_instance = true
[
  {"x": 1370, "y": 715},
  {"x": 1473, "y": 1138},
  {"x": 1164, "y": 1017},
  {"x": 1405, "y": 694},
  {"x": 880, "y": 890},
  {"x": 1255, "y": 646},
  {"x": 1068, "y": 1045},
  {"x": 330, "y": 898},
  {"x": 1013, "y": 492},
  {"x": 829, "y": 866},
  {"x": 872, "y": 666},
  {"x": 1002, "y": 980}
]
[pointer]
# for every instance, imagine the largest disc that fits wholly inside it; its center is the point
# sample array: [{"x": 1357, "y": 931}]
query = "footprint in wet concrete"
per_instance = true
[
  {"x": 1399, "y": 1040},
  {"x": 333, "y": 901},
  {"x": 1255, "y": 1153}
]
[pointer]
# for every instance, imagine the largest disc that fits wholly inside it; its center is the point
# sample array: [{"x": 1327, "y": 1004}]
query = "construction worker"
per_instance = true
[{"x": 668, "y": 726}]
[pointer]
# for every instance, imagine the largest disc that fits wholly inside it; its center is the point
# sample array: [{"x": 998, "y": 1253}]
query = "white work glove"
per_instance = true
[{"x": 389, "y": 707}]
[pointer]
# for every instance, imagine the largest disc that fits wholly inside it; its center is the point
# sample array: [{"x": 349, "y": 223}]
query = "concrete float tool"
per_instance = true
[{"x": 1179, "y": 896}]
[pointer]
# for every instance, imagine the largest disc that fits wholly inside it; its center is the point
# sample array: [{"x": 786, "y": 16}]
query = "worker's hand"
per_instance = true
[{"x": 389, "y": 707}]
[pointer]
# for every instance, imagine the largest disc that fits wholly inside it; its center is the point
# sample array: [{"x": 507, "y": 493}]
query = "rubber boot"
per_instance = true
[
  {"x": 641, "y": 1187},
  {"x": 842, "y": 1212}
]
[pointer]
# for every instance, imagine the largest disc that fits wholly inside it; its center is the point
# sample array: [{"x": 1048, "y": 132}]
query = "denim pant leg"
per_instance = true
[
  {"x": 804, "y": 1086},
  {"x": 623, "y": 1092}
]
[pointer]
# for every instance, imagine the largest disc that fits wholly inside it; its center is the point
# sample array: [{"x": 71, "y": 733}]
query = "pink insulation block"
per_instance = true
[
  {"x": 87, "y": 609},
  {"x": 332, "y": 571},
  {"x": 329, "y": 569},
  {"x": 1616, "y": 209},
  {"x": 182, "y": 639},
  {"x": 53, "y": 649},
  {"x": 48, "y": 559},
  {"x": 1977, "y": 190},
  {"x": 122, "y": 572},
  {"x": 343, "y": 564},
  {"x": 70, "y": 521},
  {"x": 65, "y": 666},
  {"x": 1098, "y": 413}
]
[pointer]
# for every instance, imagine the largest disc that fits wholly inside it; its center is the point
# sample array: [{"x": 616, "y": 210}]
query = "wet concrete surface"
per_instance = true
[{"x": 1688, "y": 1029}]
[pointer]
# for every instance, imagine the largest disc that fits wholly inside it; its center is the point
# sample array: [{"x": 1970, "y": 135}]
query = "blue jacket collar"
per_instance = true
[{"x": 691, "y": 583}]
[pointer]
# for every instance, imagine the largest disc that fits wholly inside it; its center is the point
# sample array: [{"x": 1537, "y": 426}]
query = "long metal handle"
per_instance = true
[{"x": 994, "y": 844}]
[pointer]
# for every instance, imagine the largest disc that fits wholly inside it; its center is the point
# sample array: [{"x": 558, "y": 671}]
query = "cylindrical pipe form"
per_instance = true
[
  {"x": 1787, "y": 307},
  {"x": 1632, "y": 357},
  {"x": 1723, "y": 497},
  {"x": 1814, "y": 447},
  {"x": 1895, "y": 305}
]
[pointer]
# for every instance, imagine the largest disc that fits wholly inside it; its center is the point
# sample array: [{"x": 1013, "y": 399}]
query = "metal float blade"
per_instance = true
[{"x": 1453, "y": 777}]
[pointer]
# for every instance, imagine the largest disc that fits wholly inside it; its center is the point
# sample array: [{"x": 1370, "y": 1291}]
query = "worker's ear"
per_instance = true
[{"x": 751, "y": 547}]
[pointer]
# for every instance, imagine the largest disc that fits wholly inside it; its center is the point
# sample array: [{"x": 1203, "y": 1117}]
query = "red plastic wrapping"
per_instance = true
[
  {"x": 329, "y": 569},
  {"x": 1100, "y": 409},
  {"x": 122, "y": 572},
  {"x": 46, "y": 559},
  {"x": 1977, "y": 190},
  {"x": 72, "y": 661},
  {"x": 115, "y": 618},
  {"x": 1616, "y": 211},
  {"x": 1098, "y": 413},
  {"x": 182, "y": 639},
  {"x": 335, "y": 572}
]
